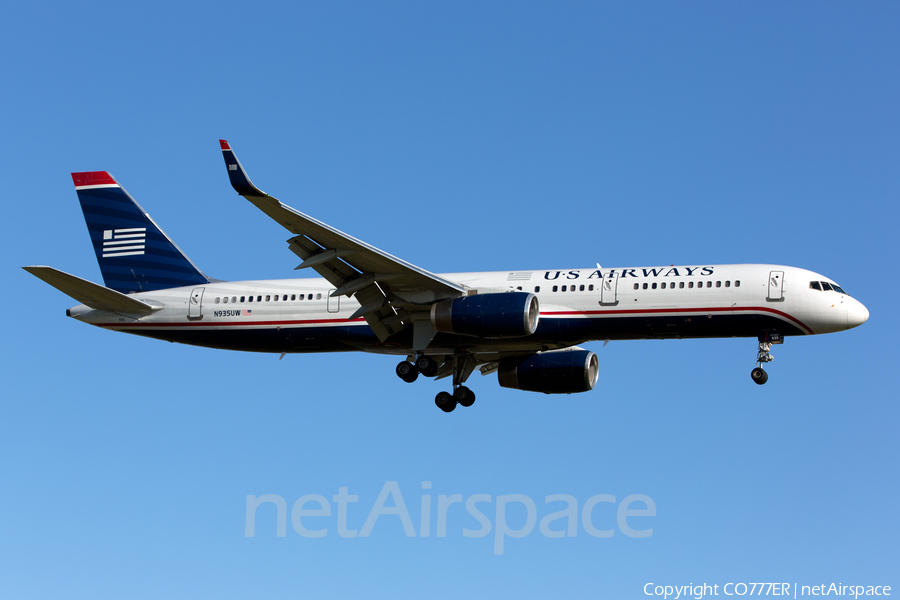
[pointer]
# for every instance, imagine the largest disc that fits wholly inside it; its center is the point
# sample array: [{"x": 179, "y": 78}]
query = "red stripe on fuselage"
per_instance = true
[{"x": 229, "y": 323}]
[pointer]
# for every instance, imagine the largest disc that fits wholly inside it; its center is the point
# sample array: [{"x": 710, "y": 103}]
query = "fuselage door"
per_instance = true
[
  {"x": 195, "y": 304},
  {"x": 776, "y": 286},
  {"x": 608, "y": 290},
  {"x": 334, "y": 304}
]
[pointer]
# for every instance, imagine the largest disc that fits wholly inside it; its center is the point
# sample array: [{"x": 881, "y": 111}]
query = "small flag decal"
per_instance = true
[
  {"x": 247, "y": 313},
  {"x": 124, "y": 242}
]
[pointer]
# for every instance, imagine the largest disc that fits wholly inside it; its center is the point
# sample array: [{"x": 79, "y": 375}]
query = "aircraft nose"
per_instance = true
[{"x": 857, "y": 314}]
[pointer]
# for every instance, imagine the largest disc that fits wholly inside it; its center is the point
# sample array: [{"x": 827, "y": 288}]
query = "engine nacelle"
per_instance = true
[
  {"x": 551, "y": 372},
  {"x": 503, "y": 315}
]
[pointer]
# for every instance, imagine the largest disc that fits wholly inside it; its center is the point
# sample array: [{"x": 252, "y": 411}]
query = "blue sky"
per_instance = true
[{"x": 458, "y": 136}]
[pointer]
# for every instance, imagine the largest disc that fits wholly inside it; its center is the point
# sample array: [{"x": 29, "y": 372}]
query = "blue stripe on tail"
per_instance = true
[{"x": 135, "y": 255}]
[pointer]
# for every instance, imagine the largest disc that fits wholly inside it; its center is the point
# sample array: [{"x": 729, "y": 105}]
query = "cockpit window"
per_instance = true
[
  {"x": 814, "y": 285},
  {"x": 838, "y": 289},
  {"x": 826, "y": 286}
]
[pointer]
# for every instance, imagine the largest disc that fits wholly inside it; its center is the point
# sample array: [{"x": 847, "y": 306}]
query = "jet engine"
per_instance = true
[
  {"x": 503, "y": 315},
  {"x": 551, "y": 372}
]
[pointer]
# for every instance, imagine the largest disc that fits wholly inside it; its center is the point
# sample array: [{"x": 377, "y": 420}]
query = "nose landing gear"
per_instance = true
[{"x": 758, "y": 374}]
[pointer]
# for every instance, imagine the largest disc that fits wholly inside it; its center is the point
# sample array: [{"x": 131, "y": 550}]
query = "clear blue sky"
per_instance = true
[{"x": 459, "y": 136}]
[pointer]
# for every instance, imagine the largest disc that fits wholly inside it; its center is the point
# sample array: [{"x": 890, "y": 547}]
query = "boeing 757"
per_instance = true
[{"x": 525, "y": 325}]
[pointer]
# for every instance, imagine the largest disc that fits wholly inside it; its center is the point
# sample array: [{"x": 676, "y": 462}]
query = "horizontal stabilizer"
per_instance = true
[{"x": 91, "y": 294}]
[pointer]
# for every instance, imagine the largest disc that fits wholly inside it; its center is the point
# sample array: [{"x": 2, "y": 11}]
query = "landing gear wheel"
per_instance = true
[
  {"x": 407, "y": 371},
  {"x": 427, "y": 366},
  {"x": 445, "y": 401},
  {"x": 464, "y": 396},
  {"x": 759, "y": 376}
]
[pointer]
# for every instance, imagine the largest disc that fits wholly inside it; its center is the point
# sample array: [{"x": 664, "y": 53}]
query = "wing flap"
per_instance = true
[{"x": 89, "y": 293}]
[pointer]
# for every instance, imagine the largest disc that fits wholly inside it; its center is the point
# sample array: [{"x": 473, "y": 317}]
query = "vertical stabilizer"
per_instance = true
[{"x": 135, "y": 255}]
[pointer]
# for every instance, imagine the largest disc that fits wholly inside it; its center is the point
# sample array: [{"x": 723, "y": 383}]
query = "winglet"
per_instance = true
[{"x": 236, "y": 173}]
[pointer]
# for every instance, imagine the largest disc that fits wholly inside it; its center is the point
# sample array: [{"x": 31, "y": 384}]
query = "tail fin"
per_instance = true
[{"x": 135, "y": 255}]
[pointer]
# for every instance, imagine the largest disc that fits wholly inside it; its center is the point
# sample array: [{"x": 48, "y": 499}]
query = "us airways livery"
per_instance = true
[{"x": 523, "y": 325}]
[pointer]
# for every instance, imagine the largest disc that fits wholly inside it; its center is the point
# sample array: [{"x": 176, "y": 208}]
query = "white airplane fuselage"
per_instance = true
[{"x": 695, "y": 301}]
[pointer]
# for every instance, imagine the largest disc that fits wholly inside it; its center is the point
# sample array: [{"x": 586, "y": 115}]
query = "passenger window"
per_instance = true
[
  {"x": 636, "y": 286},
  {"x": 663, "y": 286},
  {"x": 718, "y": 284},
  {"x": 284, "y": 298},
  {"x": 519, "y": 288},
  {"x": 243, "y": 298},
  {"x": 681, "y": 285},
  {"x": 225, "y": 299},
  {"x": 591, "y": 288},
  {"x": 826, "y": 286},
  {"x": 309, "y": 297},
  {"x": 690, "y": 284},
  {"x": 250, "y": 299},
  {"x": 654, "y": 285},
  {"x": 293, "y": 297},
  {"x": 318, "y": 296},
  {"x": 563, "y": 288},
  {"x": 581, "y": 288},
  {"x": 302, "y": 296},
  {"x": 727, "y": 284},
  {"x": 737, "y": 283},
  {"x": 537, "y": 289},
  {"x": 645, "y": 286},
  {"x": 555, "y": 288},
  {"x": 233, "y": 299},
  {"x": 217, "y": 299}
]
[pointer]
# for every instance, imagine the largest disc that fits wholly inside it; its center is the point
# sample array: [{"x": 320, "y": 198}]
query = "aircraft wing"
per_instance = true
[{"x": 383, "y": 284}]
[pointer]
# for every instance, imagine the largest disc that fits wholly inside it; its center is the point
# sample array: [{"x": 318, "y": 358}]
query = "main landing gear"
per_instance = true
[
  {"x": 461, "y": 395},
  {"x": 461, "y": 367},
  {"x": 758, "y": 374},
  {"x": 409, "y": 372}
]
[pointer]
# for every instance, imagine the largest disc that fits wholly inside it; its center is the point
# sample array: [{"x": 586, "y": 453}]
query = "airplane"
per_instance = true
[{"x": 525, "y": 325}]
